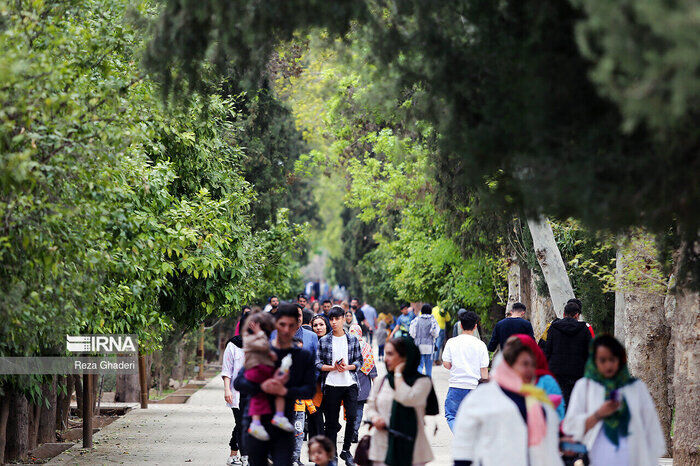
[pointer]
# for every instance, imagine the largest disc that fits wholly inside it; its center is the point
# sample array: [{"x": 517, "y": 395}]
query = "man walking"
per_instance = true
[
  {"x": 424, "y": 329},
  {"x": 403, "y": 322},
  {"x": 298, "y": 383},
  {"x": 371, "y": 318},
  {"x": 566, "y": 348},
  {"x": 326, "y": 306},
  {"x": 439, "y": 316},
  {"x": 467, "y": 359},
  {"x": 338, "y": 358},
  {"x": 512, "y": 325}
]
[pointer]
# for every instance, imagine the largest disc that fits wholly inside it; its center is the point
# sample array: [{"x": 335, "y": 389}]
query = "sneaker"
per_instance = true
[
  {"x": 244, "y": 460},
  {"x": 234, "y": 461},
  {"x": 347, "y": 457},
  {"x": 259, "y": 432},
  {"x": 283, "y": 423}
]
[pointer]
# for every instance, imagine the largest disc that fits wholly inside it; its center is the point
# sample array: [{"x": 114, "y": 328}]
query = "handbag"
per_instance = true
[{"x": 362, "y": 451}]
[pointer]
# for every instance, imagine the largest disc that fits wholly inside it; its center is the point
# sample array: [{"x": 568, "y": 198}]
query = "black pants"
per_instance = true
[
  {"x": 332, "y": 397},
  {"x": 279, "y": 448},
  {"x": 315, "y": 423},
  {"x": 235, "y": 442},
  {"x": 566, "y": 383}
]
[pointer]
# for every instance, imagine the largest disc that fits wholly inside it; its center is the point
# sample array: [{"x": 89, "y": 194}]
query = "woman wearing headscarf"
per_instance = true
[
  {"x": 544, "y": 379},
  {"x": 612, "y": 413},
  {"x": 508, "y": 420},
  {"x": 365, "y": 376},
  {"x": 397, "y": 406}
]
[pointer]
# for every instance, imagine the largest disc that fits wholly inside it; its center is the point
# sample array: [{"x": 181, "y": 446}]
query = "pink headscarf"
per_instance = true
[
  {"x": 367, "y": 356},
  {"x": 506, "y": 377}
]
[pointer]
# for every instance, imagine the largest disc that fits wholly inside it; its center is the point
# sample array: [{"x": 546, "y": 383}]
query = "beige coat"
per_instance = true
[
  {"x": 379, "y": 404},
  {"x": 256, "y": 348}
]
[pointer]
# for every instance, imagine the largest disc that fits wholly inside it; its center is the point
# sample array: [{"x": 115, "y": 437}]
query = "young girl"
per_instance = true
[
  {"x": 611, "y": 412},
  {"x": 321, "y": 451},
  {"x": 381, "y": 335},
  {"x": 259, "y": 366}
]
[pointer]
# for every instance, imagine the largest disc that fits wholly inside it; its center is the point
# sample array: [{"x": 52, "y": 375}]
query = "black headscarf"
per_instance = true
[{"x": 403, "y": 418}]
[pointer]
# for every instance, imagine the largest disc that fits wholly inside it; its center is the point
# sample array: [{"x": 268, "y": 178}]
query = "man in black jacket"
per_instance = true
[
  {"x": 298, "y": 384},
  {"x": 567, "y": 348}
]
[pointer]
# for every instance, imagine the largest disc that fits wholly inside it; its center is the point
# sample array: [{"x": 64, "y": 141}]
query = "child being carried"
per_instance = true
[{"x": 259, "y": 366}]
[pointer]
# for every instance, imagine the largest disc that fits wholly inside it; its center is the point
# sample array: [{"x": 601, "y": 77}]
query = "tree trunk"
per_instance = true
[
  {"x": 540, "y": 309},
  {"x": 63, "y": 402},
  {"x": 78, "y": 384},
  {"x": 620, "y": 316},
  {"x": 127, "y": 388},
  {"x": 47, "y": 415},
  {"x": 686, "y": 389},
  {"x": 34, "y": 411},
  {"x": 549, "y": 258},
  {"x": 17, "y": 433},
  {"x": 4, "y": 414},
  {"x": 513, "y": 280}
]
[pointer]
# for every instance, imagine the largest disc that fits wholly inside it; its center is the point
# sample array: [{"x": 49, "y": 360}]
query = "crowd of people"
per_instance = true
[{"x": 294, "y": 370}]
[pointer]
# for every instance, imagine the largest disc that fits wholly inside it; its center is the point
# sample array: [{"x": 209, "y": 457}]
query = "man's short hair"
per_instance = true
[
  {"x": 403, "y": 306},
  {"x": 571, "y": 309},
  {"x": 271, "y": 298},
  {"x": 519, "y": 307},
  {"x": 336, "y": 312},
  {"x": 577, "y": 301},
  {"x": 426, "y": 309},
  {"x": 326, "y": 301},
  {"x": 287, "y": 310},
  {"x": 302, "y": 295},
  {"x": 468, "y": 319},
  {"x": 306, "y": 316}
]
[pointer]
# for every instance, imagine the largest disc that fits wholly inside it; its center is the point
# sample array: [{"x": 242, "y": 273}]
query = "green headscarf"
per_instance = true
[
  {"x": 403, "y": 418},
  {"x": 617, "y": 424}
]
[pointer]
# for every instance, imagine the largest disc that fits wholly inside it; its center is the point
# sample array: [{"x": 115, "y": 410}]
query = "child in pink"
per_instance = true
[{"x": 259, "y": 366}]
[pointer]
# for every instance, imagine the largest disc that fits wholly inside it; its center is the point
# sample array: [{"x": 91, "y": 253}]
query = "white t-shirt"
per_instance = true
[
  {"x": 233, "y": 362},
  {"x": 340, "y": 351},
  {"x": 468, "y": 355}
]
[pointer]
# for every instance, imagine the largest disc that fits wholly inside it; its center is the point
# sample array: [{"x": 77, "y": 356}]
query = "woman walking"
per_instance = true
[
  {"x": 315, "y": 420},
  {"x": 232, "y": 364},
  {"x": 365, "y": 377},
  {"x": 397, "y": 406},
  {"x": 544, "y": 379},
  {"x": 612, "y": 413},
  {"x": 509, "y": 420}
]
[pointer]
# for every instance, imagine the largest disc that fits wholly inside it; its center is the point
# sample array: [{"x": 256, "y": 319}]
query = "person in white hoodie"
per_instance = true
[
  {"x": 424, "y": 329},
  {"x": 508, "y": 421},
  {"x": 612, "y": 413}
]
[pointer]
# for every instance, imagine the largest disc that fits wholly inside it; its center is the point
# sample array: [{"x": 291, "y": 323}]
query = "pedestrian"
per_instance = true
[
  {"x": 365, "y": 377},
  {"x": 457, "y": 327},
  {"x": 370, "y": 314},
  {"x": 612, "y": 413},
  {"x": 359, "y": 315},
  {"x": 509, "y": 326},
  {"x": 316, "y": 308},
  {"x": 321, "y": 327},
  {"x": 467, "y": 359},
  {"x": 338, "y": 358},
  {"x": 424, "y": 330},
  {"x": 232, "y": 364},
  {"x": 259, "y": 364},
  {"x": 244, "y": 312},
  {"x": 508, "y": 421},
  {"x": 566, "y": 349},
  {"x": 272, "y": 305},
  {"x": 326, "y": 306},
  {"x": 349, "y": 320},
  {"x": 397, "y": 407},
  {"x": 321, "y": 451},
  {"x": 403, "y": 322},
  {"x": 297, "y": 383},
  {"x": 543, "y": 339},
  {"x": 440, "y": 318},
  {"x": 382, "y": 336},
  {"x": 544, "y": 379}
]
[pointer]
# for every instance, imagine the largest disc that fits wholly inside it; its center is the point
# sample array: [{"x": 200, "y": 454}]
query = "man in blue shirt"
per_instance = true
[
  {"x": 511, "y": 325},
  {"x": 403, "y": 322}
]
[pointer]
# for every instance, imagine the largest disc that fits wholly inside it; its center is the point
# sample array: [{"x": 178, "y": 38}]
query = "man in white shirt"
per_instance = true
[
  {"x": 338, "y": 358},
  {"x": 467, "y": 359}
]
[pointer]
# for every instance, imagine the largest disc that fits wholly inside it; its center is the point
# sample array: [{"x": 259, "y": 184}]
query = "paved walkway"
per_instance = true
[{"x": 198, "y": 432}]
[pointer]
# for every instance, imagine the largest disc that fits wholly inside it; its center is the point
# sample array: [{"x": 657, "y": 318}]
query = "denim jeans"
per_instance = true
[
  {"x": 360, "y": 413},
  {"x": 452, "y": 401},
  {"x": 426, "y": 361},
  {"x": 438, "y": 345},
  {"x": 299, "y": 418}
]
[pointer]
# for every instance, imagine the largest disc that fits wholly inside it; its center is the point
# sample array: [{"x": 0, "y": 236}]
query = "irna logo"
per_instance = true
[{"x": 101, "y": 343}]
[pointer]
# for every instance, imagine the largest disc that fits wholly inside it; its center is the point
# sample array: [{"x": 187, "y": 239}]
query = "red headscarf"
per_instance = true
[{"x": 540, "y": 359}]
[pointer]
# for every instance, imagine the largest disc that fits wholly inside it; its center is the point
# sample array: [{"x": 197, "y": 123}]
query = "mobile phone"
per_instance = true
[
  {"x": 615, "y": 395},
  {"x": 339, "y": 361},
  {"x": 572, "y": 447}
]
